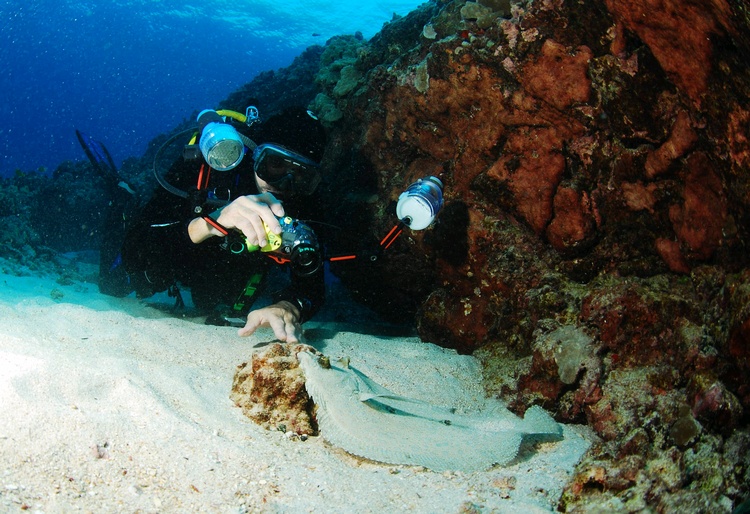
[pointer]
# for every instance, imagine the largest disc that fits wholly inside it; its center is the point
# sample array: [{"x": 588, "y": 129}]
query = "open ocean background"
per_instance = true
[{"x": 126, "y": 71}]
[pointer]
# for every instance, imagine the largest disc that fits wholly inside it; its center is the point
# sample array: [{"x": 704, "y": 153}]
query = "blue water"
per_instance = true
[{"x": 125, "y": 71}]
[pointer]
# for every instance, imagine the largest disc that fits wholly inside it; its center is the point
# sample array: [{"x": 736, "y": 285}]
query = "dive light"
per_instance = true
[
  {"x": 220, "y": 143},
  {"x": 420, "y": 203},
  {"x": 417, "y": 208}
]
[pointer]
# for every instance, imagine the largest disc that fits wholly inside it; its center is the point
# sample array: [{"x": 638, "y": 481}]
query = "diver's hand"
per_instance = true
[
  {"x": 282, "y": 317},
  {"x": 246, "y": 214}
]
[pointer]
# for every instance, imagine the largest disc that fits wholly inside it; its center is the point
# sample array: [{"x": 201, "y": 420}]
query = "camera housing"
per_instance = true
[{"x": 297, "y": 243}]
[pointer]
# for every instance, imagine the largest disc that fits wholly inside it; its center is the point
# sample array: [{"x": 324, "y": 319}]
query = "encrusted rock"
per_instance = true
[{"x": 271, "y": 390}]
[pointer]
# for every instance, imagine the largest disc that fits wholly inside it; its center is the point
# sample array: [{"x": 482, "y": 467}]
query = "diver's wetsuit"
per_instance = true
[{"x": 157, "y": 251}]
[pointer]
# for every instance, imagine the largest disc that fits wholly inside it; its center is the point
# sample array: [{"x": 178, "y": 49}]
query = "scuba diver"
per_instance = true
[{"x": 225, "y": 207}]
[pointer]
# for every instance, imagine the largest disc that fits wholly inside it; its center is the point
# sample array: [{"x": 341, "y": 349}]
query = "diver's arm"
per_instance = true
[
  {"x": 306, "y": 294},
  {"x": 199, "y": 230},
  {"x": 292, "y": 307}
]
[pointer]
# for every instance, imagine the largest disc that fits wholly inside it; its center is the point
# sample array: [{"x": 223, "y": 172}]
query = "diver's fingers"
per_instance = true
[
  {"x": 256, "y": 225},
  {"x": 278, "y": 324},
  {"x": 270, "y": 210},
  {"x": 283, "y": 323},
  {"x": 250, "y": 232},
  {"x": 276, "y": 206},
  {"x": 290, "y": 330},
  {"x": 259, "y": 209},
  {"x": 293, "y": 334},
  {"x": 254, "y": 320},
  {"x": 245, "y": 221},
  {"x": 247, "y": 214}
]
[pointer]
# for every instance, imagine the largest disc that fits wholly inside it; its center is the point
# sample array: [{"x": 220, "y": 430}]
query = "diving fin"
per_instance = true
[{"x": 102, "y": 161}]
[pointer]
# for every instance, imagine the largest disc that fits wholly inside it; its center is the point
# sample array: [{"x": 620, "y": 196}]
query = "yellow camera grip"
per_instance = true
[{"x": 273, "y": 244}]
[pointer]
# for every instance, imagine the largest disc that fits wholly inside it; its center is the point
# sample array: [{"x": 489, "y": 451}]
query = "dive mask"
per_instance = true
[{"x": 284, "y": 170}]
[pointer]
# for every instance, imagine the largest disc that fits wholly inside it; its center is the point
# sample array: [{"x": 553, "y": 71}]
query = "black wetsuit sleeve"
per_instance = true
[{"x": 306, "y": 293}]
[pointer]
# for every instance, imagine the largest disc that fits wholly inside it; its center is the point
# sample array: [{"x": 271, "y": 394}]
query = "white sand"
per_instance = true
[{"x": 107, "y": 405}]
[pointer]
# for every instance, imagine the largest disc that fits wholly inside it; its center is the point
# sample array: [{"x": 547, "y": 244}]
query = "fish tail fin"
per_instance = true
[{"x": 537, "y": 421}]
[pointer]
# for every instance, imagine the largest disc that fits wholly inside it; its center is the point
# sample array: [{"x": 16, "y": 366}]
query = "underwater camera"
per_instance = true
[{"x": 297, "y": 244}]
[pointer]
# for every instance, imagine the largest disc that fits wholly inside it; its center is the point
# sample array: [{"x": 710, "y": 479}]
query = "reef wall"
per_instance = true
[{"x": 592, "y": 248}]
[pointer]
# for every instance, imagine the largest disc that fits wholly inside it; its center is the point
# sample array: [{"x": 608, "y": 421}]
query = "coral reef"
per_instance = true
[
  {"x": 531, "y": 120},
  {"x": 17, "y": 208},
  {"x": 49, "y": 214}
]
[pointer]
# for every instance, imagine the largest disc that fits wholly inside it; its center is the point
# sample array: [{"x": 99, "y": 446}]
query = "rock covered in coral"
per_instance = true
[
  {"x": 270, "y": 389},
  {"x": 700, "y": 479},
  {"x": 572, "y": 121},
  {"x": 573, "y": 146}
]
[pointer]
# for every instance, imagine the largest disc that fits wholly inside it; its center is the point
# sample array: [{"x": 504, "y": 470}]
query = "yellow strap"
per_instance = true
[{"x": 232, "y": 114}]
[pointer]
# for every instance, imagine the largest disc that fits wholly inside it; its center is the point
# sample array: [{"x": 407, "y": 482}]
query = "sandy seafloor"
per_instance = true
[{"x": 111, "y": 405}]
